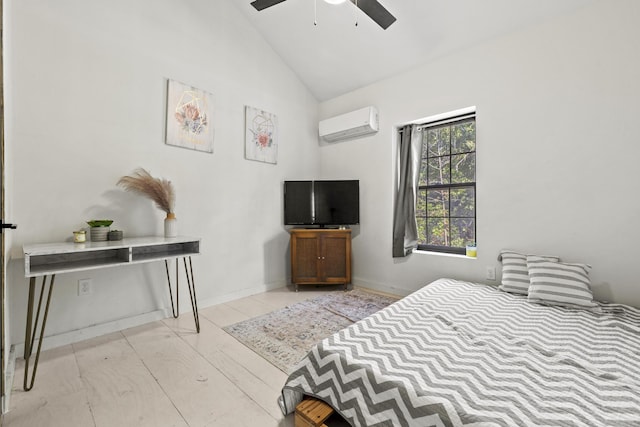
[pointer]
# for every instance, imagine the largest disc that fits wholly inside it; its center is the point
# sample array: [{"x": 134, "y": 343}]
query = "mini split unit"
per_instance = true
[{"x": 351, "y": 125}]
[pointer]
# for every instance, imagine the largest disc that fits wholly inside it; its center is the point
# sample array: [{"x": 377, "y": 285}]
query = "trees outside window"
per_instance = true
[{"x": 446, "y": 205}]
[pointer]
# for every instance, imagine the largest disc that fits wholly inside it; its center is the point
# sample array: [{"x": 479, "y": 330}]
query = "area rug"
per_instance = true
[{"x": 285, "y": 336}]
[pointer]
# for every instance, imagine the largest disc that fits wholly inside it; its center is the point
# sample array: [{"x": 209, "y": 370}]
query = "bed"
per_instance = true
[{"x": 462, "y": 354}]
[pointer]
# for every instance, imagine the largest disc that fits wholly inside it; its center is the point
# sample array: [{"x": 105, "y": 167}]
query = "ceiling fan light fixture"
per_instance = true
[{"x": 371, "y": 8}]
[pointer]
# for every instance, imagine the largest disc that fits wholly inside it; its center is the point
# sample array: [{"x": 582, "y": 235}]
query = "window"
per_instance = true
[{"x": 446, "y": 205}]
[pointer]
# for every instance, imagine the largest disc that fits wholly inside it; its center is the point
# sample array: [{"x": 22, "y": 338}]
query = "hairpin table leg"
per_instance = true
[
  {"x": 30, "y": 332},
  {"x": 191, "y": 285},
  {"x": 192, "y": 292},
  {"x": 175, "y": 310}
]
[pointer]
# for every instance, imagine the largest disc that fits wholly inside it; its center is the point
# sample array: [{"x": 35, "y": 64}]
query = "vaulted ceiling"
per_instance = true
[{"x": 336, "y": 56}]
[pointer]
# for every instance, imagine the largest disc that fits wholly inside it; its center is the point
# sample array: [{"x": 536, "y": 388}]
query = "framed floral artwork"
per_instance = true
[
  {"x": 261, "y": 136},
  {"x": 189, "y": 117}
]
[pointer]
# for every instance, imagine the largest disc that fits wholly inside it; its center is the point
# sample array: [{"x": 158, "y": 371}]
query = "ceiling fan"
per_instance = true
[{"x": 372, "y": 8}]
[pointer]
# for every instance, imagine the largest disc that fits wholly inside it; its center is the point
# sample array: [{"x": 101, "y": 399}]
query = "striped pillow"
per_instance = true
[
  {"x": 515, "y": 274},
  {"x": 559, "y": 283}
]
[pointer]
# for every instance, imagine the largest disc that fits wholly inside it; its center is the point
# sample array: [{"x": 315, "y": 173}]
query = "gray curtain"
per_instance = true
[{"x": 405, "y": 228}]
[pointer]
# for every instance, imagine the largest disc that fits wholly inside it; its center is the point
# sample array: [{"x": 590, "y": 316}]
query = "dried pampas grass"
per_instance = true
[{"x": 156, "y": 189}]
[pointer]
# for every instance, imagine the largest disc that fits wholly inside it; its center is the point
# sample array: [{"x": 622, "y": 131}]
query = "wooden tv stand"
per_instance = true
[{"x": 320, "y": 256}]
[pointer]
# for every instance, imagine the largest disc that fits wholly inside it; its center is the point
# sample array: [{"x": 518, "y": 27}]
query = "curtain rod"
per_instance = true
[{"x": 440, "y": 122}]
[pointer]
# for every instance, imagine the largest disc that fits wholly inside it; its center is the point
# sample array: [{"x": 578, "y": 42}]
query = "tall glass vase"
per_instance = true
[{"x": 170, "y": 225}]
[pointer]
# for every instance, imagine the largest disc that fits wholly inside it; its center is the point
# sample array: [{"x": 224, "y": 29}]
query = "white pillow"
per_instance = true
[
  {"x": 560, "y": 283},
  {"x": 515, "y": 274}
]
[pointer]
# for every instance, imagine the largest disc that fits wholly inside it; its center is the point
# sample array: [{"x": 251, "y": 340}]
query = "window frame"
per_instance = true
[{"x": 448, "y": 122}]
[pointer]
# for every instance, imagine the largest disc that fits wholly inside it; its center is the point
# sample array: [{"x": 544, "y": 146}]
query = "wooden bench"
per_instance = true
[{"x": 312, "y": 412}]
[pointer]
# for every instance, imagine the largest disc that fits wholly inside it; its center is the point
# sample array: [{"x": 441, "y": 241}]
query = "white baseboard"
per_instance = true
[
  {"x": 381, "y": 287},
  {"x": 247, "y": 292},
  {"x": 93, "y": 331}
]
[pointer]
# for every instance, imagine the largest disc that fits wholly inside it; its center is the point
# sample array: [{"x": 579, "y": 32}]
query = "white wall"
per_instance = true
[
  {"x": 557, "y": 137},
  {"x": 85, "y": 105}
]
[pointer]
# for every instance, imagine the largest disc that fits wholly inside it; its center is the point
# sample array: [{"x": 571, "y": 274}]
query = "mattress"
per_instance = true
[{"x": 462, "y": 354}]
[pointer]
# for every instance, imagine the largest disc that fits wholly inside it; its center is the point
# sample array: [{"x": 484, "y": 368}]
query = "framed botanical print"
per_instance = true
[
  {"x": 261, "y": 135},
  {"x": 189, "y": 117}
]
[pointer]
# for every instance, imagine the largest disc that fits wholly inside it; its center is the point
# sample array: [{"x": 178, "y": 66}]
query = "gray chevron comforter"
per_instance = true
[{"x": 461, "y": 354}]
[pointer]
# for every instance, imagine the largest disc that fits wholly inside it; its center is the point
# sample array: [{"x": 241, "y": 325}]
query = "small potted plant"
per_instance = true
[
  {"x": 115, "y": 235},
  {"x": 99, "y": 229}
]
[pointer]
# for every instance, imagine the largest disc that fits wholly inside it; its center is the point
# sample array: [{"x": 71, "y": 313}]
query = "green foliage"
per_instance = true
[
  {"x": 100, "y": 222},
  {"x": 446, "y": 215}
]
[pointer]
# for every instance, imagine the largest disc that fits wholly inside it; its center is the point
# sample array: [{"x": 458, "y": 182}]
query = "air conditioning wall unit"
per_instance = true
[{"x": 351, "y": 125}]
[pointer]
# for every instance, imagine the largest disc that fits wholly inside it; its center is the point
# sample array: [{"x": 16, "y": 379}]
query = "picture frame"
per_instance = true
[
  {"x": 189, "y": 117},
  {"x": 261, "y": 135}
]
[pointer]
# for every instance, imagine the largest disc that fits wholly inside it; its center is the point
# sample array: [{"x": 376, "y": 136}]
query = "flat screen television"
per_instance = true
[{"x": 322, "y": 203}]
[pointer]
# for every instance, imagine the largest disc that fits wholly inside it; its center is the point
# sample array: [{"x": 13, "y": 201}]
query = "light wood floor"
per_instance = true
[{"x": 160, "y": 374}]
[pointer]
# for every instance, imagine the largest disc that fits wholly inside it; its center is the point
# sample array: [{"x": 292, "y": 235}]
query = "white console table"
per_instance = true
[{"x": 48, "y": 259}]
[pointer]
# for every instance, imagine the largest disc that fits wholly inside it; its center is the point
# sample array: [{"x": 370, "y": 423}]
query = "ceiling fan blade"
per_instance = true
[
  {"x": 376, "y": 11},
  {"x": 263, "y": 4}
]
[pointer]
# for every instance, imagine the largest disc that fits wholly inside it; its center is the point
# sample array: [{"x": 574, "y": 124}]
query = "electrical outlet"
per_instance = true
[
  {"x": 84, "y": 287},
  {"x": 491, "y": 273}
]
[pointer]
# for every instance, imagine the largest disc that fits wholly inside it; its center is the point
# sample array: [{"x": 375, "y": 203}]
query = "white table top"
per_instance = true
[
  {"x": 44, "y": 259},
  {"x": 69, "y": 247}
]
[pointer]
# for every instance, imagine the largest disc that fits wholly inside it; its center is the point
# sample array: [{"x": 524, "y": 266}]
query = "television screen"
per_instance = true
[
  {"x": 321, "y": 202},
  {"x": 298, "y": 198},
  {"x": 336, "y": 202}
]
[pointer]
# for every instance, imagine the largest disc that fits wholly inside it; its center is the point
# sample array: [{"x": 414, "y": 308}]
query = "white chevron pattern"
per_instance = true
[{"x": 461, "y": 354}]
